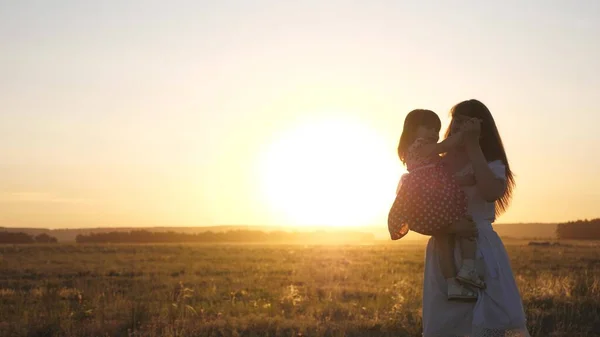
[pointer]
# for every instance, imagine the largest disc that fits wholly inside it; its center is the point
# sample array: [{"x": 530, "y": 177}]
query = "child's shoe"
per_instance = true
[
  {"x": 468, "y": 275},
  {"x": 459, "y": 292}
]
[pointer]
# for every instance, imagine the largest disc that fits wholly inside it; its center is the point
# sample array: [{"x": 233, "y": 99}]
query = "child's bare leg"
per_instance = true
[
  {"x": 468, "y": 273},
  {"x": 468, "y": 246},
  {"x": 445, "y": 248}
]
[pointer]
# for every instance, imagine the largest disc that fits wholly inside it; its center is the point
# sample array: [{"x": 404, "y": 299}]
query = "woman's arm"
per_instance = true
[
  {"x": 490, "y": 187},
  {"x": 468, "y": 180},
  {"x": 464, "y": 227}
]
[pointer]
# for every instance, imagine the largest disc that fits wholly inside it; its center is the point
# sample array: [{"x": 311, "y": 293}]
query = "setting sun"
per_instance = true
[{"x": 330, "y": 173}]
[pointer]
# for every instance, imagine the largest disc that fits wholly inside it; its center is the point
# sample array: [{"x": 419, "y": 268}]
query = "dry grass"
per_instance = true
[{"x": 270, "y": 290}]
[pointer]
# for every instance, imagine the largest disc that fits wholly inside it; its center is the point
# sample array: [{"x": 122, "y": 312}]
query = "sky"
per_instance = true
[{"x": 191, "y": 113}]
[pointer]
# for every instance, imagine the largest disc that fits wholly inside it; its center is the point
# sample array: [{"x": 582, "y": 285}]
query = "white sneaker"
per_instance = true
[
  {"x": 470, "y": 277},
  {"x": 458, "y": 292}
]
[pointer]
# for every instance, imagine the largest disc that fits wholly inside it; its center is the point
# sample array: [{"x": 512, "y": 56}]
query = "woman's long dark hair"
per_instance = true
[
  {"x": 412, "y": 122},
  {"x": 490, "y": 142}
]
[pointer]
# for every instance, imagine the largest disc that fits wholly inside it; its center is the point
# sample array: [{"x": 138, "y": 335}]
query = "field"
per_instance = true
[{"x": 266, "y": 290}]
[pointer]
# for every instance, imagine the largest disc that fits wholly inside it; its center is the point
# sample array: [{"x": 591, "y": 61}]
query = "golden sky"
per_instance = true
[{"x": 147, "y": 113}]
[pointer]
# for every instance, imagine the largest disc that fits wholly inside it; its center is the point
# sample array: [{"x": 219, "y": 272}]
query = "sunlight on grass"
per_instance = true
[{"x": 278, "y": 290}]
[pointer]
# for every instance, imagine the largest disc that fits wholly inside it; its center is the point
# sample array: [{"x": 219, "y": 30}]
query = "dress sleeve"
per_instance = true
[
  {"x": 498, "y": 168},
  {"x": 404, "y": 176},
  {"x": 413, "y": 149},
  {"x": 418, "y": 143}
]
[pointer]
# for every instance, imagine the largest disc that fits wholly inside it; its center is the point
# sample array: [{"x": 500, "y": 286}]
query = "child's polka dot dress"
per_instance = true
[{"x": 430, "y": 199}]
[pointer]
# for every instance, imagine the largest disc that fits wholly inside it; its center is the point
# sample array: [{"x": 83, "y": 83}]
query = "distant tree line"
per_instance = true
[
  {"x": 245, "y": 236},
  {"x": 20, "y": 237},
  {"x": 579, "y": 230}
]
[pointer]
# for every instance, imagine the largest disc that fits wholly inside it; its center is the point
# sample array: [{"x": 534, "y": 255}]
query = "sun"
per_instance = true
[{"x": 334, "y": 173}]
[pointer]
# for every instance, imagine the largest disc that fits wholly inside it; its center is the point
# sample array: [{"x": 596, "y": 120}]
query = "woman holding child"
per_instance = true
[{"x": 482, "y": 299}]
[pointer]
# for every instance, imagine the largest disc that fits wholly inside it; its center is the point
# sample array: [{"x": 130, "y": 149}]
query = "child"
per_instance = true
[{"x": 430, "y": 199}]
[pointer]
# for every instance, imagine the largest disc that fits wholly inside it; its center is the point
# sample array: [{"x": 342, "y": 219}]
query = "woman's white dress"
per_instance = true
[{"x": 498, "y": 311}]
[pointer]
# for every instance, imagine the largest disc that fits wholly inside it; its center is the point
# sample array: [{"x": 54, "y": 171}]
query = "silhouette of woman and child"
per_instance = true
[{"x": 453, "y": 191}]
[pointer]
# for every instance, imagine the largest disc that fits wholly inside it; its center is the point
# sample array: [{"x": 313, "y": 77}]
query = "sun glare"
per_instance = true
[{"x": 333, "y": 173}]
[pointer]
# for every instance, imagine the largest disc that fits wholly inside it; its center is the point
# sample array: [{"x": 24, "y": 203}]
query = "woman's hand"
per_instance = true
[{"x": 464, "y": 227}]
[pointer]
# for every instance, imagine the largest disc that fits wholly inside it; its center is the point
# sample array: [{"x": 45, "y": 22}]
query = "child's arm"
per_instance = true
[{"x": 443, "y": 146}]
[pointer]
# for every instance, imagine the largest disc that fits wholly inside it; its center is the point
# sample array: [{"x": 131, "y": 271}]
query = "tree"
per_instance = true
[
  {"x": 579, "y": 230},
  {"x": 45, "y": 238},
  {"x": 15, "y": 237}
]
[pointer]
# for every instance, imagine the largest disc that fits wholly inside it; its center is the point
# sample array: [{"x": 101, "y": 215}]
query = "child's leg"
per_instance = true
[
  {"x": 468, "y": 273},
  {"x": 445, "y": 248},
  {"x": 468, "y": 246}
]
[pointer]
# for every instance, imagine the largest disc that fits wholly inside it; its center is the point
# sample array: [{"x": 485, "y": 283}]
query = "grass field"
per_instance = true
[{"x": 266, "y": 290}]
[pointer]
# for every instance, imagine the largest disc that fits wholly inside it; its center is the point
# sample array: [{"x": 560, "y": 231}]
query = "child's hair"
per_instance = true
[{"x": 415, "y": 119}]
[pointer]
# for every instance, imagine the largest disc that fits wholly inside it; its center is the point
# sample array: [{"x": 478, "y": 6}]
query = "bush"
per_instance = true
[{"x": 22, "y": 238}]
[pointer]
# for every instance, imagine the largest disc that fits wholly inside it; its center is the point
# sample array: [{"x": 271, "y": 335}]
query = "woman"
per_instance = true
[{"x": 498, "y": 311}]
